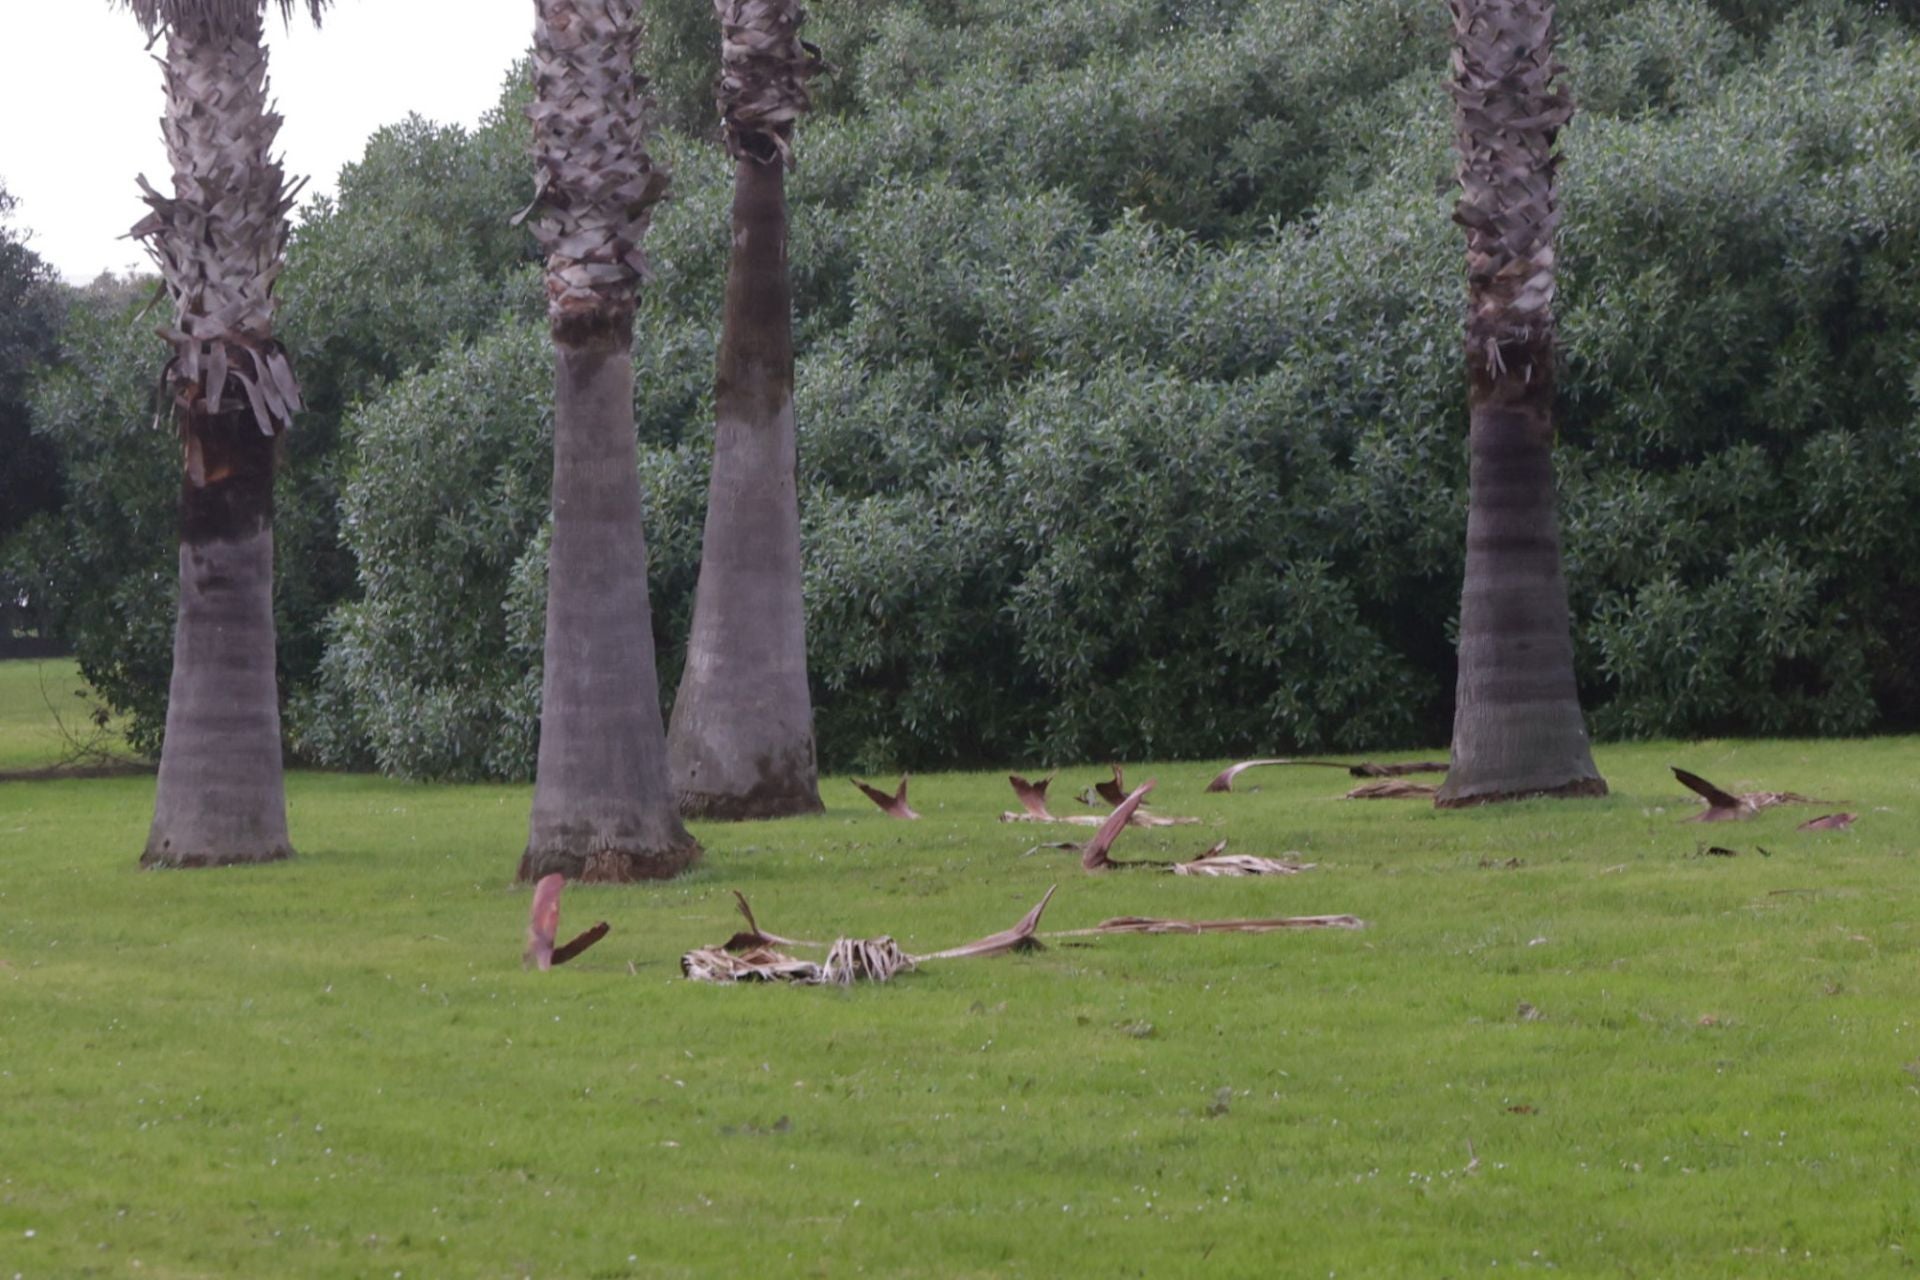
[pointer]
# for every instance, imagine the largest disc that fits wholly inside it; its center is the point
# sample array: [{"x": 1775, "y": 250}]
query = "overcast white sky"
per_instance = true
[{"x": 82, "y": 98}]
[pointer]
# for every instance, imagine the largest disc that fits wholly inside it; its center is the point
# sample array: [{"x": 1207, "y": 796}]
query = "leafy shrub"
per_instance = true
[{"x": 1130, "y": 390}]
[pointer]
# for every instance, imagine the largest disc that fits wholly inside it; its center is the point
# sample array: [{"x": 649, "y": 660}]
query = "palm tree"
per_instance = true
[
  {"x": 1517, "y": 726},
  {"x": 602, "y": 803},
  {"x": 742, "y": 739},
  {"x": 217, "y": 241}
]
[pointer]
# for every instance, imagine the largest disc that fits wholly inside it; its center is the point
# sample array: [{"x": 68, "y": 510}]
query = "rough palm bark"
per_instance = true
[
  {"x": 217, "y": 240},
  {"x": 742, "y": 739},
  {"x": 603, "y": 806},
  {"x": 1517, "y": 728}
]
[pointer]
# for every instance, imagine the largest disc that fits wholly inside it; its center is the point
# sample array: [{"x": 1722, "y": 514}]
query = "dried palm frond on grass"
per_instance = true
[
  {"x": 1095, "y": 854},
  {"x": 1140, "y": 818},
  {"x": 1110, "y": 792},
  {"x": 1032, "y": 797},
  {"x": 1217, "y": 862},
  {"x": 543, "y": 923},
  {"x": 851, "y": 960},
  {"x": 1391, "y": 789},
  {"x": 756, "y": 964},
  {"x": 1223, "y": 781},
  {"x": 895, "y": 805},
  {"x": 1725, "y": 806},
  {"x": 1019, "y": 938},
  {"x": 1033, "y": 807},
  {"x": 1152, "y": 925},
  {"x": 751, "y": 956}
]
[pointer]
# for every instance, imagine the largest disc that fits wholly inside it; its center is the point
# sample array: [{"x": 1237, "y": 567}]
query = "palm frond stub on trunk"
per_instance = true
[
  {"x": 1507, "y": 114},
  {"x": 596, "y": 185},
  {"x": 154, "y": 14},
  {"x": 217, "y": 240},
  {"x": 764, "y": 69}
]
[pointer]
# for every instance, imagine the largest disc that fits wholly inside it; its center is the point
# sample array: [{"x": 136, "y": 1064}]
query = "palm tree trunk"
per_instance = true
[
  {"x": 602, "y": 805},
  {"x": 742, "y": 738},
  {"x": 1517, "y": 727},
  {"x": 221, "y": 797},
  {"x": 217, "y": 240},
  {"x": 602, "y": 802}
]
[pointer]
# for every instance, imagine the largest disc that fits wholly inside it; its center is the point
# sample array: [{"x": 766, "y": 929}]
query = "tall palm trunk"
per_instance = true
[
  {"x": 221, "y": 797},
  {"x": 602, "y": 803},
  {"x": 742, "y": 739},
  {"x": 1517, "y": 726}
]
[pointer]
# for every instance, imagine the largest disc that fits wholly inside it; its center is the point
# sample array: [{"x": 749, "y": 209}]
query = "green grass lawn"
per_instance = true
[
  {"x": 335, "y": 1066},
  {"x": 45, "y": 708}
]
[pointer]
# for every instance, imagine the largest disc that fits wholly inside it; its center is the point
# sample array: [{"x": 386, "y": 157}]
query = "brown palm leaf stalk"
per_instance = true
[
  {"x": 1033, "y": 808},
  {"x": 741, "y": 745},
  {"x": 1517, "y": 726},
  {"x": 603, "y": 805},
  {"x": 753, "y": 956},
  {"x": 1725, "y": 806},
  {"x": 1095, "y": 853},
  {"x": 217, "y": 240},
  {"x": 895, "y": 805},
  {"x": 1223, "y": 781},
  {"x": 543, "y": 926}
]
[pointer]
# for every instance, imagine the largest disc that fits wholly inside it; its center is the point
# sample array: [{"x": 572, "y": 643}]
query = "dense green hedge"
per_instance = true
[{"x": 1129, "y": 387}]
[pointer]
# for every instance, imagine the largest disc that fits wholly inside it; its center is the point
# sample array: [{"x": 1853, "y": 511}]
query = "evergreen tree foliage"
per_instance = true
[{"x": 1129, "y": 392}]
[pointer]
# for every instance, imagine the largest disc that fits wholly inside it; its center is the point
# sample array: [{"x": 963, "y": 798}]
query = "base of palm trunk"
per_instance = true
[
  {"x": 708, "y": 807},
  {"x": 754, "y": 806},
  {"x": 166, "y": 857},
  {"x": 1576, "y": 789},
  {"x": 606, "y": 865}
]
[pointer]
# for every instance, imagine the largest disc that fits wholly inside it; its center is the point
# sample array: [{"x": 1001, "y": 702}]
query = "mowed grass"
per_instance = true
[
  {"x": 44, "y": 708},
  {"x": 335, "y": 1066}
]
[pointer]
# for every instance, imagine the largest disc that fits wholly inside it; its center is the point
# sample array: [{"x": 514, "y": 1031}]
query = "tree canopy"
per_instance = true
[{"x": 1130, "y": 410}]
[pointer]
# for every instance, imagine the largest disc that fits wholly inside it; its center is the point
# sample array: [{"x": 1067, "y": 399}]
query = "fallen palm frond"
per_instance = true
[
  {"x": 1093, "y": 854},
  {"x": 1140, "y": 818},
  {"x": 759, "y": 964},
  {"x": 1111, "y": 792},
  {"x": 895, "y": 805},
  {"x": 1032, "y": 796},
  {"x": 1829, "y": 822},
  {"x": 1217, "y": 862},
  {"x": 1391, "y": 789},
  {"x": 849, "y": 960},
  {"x": 1018, "y": 938},
  {"x": 1033, "y": 803},
  {"x": 754, "y": 935},
  {"x": 1725, "y": 806},
  {"x": 1223, "y": 781},
  {"x": 1368, "y": 769},
  {"x": 543, "y": 923},
  {"x": 1097, "y": 853},
  {"x": 1148, "y": 924}
]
